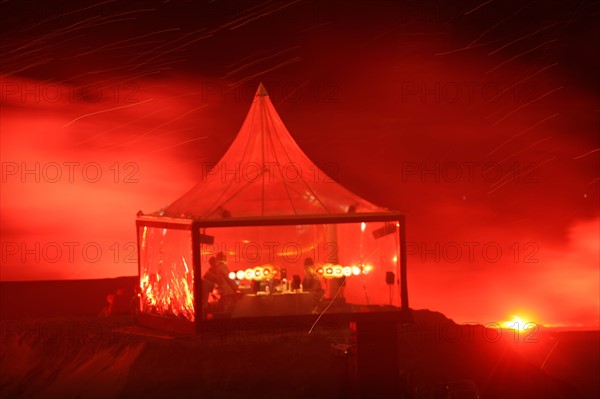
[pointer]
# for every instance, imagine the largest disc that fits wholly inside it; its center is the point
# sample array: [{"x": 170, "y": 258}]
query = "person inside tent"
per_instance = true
[
  {"x": 311, "y": 282},
  {"x": 218, "y": 275},
  {"x": 209, "y": 280}
]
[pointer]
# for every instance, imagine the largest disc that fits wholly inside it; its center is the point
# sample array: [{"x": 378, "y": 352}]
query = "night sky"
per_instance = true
[{"x": 478, "y": 119}]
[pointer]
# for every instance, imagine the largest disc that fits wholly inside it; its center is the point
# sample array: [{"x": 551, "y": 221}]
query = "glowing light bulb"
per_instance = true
[
  {"x": 363, "y": 226},
  {"x": 232, "y": 275}
]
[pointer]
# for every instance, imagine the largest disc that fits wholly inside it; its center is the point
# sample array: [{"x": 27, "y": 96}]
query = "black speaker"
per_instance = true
[
  {"x": 206, "y": 239},
  {"x": 388, "y": 228},
  {"x": 389, "y": 278}
]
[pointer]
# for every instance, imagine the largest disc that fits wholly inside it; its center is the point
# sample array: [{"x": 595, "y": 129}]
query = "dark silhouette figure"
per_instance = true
[
  {"x": 217, "y": 276},
  {"x": 311, "y": 282}
]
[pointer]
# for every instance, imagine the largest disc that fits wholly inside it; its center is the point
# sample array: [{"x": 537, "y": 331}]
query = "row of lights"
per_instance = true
[
  {"x": 335, "y": 271},
  {"x": 327, "y": 271},
  {"x": 258, "y": 273}
]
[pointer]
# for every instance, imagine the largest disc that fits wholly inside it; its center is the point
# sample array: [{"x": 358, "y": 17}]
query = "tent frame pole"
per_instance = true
[
  {"x": 403, "y": 265},
  {"x": 197, "y": 270}
]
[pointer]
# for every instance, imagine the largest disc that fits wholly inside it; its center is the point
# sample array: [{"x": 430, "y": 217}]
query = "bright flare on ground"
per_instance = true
[{"x": 518, "y": 324}]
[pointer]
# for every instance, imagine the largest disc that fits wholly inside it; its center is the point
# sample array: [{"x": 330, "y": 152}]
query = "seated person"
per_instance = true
[{"x": 311, "y": 281}]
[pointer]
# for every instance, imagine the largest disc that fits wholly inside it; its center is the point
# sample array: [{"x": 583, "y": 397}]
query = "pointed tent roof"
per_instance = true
[{"x": 265, "y": 173}]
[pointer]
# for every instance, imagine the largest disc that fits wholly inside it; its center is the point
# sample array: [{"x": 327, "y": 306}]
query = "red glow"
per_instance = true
[{"x": 381, "y": 114}]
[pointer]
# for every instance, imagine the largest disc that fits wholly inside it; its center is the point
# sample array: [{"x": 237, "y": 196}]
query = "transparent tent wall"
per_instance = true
[
  {"x": 373, "y": 248},
  {"x": 166, "y": 272},
  {"x": 268, "y": 265}
]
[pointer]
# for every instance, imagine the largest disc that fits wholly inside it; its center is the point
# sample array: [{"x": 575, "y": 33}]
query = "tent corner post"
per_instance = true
[
  {"x": 403, "y": 265},
  {"x": 139, "y": 262},
  {"x": 196, "y": 267}
]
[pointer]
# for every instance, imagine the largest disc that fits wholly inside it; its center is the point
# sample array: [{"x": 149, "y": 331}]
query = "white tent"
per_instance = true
[{"x": 266, "y": 204}]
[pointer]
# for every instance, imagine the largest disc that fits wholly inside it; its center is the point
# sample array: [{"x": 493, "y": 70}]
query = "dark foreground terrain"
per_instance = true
[{"x": 93, "y": 357}]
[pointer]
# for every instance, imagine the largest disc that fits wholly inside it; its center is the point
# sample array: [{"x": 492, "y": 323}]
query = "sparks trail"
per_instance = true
[
  {"x": 141, "y": 136},
  {"x": 157, "y": 102},
  {"x": 523, "y": 80},
  {"x": 68, "y": 30},
  {"x": 478, "y": 7},
  {"x": 525, "y": 149},
  {"x": 526, "y": 104},
  {"x": 171, "y": 50},
  {"x": 498, "y": 186},
  {"x": 47, "y": 37},
  {"x": 248, "y": 78},
  {"x": 522, "y": 132},
  {"x": 521, "y": 54},
  {"x": 587, "y": 153},
  {"x": 172, "y": 132},
  {"x": 246, "y": 19},
  {"x": 205, "y": 33},
  {"x": 379, "y": 36},
  {"x": 259, "y": 60},
  {"x": 171, "y": 43},
  {"x": 110, "y": 46},
  {"x": 523, "y": 37},
  {"x": 174, "y": 145},
  {"x": 58, "y": 38},
  {"x": 66, "y": 14},
  {"x": 104, "y": 84},
  {"x": 28, "y": 66},
  {"x": 293, "y": 91},
  {"x": 98, "y": 135},
  {"x": 315, "y": 27},
  {"x": 106, "y": 110},
  {"x": 472, "y": 44}
]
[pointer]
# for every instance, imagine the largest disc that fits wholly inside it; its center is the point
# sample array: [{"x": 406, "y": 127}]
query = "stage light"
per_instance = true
[
  {"x": 258, "y": 272},
  {"x": 347, "y": 271},
  {"x": 232, "y": 275},
  {"x": 363, "y": 226},
  {"x": 240, "y": 274},
  {"x": 395, "y": 259},
  {"x": 249, "y": 274},
  {"x": 356, "y": 270}
]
